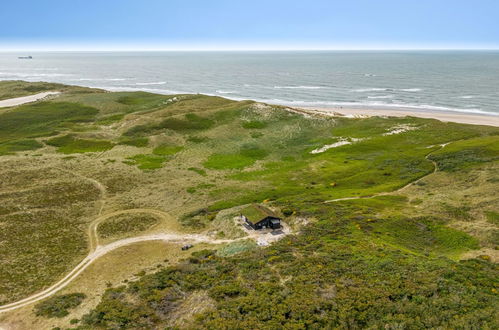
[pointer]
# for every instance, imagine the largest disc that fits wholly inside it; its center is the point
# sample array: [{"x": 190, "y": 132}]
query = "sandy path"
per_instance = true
[
  {"x": 92, "y": 230},
  {"x": 93, "y": 234},
  {"x": 99, "y": 252},
  {"x": 25, "y": 99},
  {"x": 456, "y": 117}
]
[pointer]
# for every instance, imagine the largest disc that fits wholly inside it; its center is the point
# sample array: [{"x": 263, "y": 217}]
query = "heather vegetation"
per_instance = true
[
  {"x": 385, "y": 258},
  {"x": 126, "y": 224},
  {"x": 58, "y": 306},
  {"x": 68, "y": 144}
]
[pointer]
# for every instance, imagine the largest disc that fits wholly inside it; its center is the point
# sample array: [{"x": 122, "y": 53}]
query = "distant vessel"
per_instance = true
[{"x": 25, "y": 57}]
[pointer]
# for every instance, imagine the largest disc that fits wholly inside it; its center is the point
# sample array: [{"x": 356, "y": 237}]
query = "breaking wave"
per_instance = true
[
  {"x": 376, "y": 89},
  {"x": 298, "y": 87},
  {"x": 225, "y": 92},
  {"x": 376, "y": 105},
  {"x": 150, "y": 83}
]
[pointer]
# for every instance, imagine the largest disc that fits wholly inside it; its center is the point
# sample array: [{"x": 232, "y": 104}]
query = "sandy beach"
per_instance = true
[
  {"x": 463, "y": 118},
  {"x": 25, "y": 99}
]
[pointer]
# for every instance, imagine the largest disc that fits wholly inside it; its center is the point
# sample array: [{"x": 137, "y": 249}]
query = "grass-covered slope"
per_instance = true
[{"x": 391, "y": 258}]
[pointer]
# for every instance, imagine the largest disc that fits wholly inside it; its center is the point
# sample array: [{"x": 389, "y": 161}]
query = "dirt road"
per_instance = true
[
  {"x": 25, "y": 99},
  {"x": 102, "y": 250}
]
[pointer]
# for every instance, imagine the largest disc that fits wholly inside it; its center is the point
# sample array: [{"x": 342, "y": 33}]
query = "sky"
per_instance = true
[{"x": 251, "y": 24}]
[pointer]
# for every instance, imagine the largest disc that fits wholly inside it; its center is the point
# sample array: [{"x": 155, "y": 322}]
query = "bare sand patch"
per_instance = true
[
  {"x": 25, "y": 99},
  {"x": 463, "y": 118}
]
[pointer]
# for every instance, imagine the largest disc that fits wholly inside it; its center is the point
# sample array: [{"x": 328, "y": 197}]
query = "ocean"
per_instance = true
[{"x": 462, "y": 81}]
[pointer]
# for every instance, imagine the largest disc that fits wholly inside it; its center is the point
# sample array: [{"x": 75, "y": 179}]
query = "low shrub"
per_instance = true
[{"x": 58, "y": 306}]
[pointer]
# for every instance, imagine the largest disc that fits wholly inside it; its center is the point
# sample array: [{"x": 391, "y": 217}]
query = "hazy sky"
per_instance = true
[{"x": 241, "y": 24}]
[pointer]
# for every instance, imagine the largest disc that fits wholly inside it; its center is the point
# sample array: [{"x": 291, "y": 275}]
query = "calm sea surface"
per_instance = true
[{"x": 436, "y": 81}]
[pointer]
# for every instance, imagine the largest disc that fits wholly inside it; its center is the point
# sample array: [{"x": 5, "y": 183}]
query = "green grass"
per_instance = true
[
  {"x": 423, "y": 235},
  {"x": 492, "y": 217},
  {"x": 167, "y": 150},
  {"x": 68, "y": 144},
  {"x": 147, "y": 162},
  {"x": 126, "y": 224},
  {"x": 138, "y": 142},
  {"x": 156, "y": 160},
  {"x": 19, "y": 145},
  {"x": 254, "y": 124},
  {"x": 247, "y": 156},
  {"x": 190, "y": 122},
  {"x": 42, "y": 119},
  {"x": 108, "y": 120},
  {"x": 59, "y": 306},
  {"x": 464, "y": 154}
]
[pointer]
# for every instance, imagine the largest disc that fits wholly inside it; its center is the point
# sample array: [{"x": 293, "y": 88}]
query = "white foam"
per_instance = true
[
  {"x": 381, "y": 97},
  {"x": 410, "y": 89},
  {"x": 102, "y": 79},
  {"x": 466, "y": 97},
  {"x": 373, "y": 104},
  {"x": 33, "y": 75},
  {"x": 375, "y": 89},
  {"x": 136, "y": 89},
  {"x": 298, "y": 87},
  {"x": 151, "y": 83},
  {"x": 225, "y": 92}
]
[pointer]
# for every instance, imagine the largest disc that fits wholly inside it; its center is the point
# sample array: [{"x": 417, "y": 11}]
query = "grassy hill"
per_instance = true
[{"x": 393, "y": 255}]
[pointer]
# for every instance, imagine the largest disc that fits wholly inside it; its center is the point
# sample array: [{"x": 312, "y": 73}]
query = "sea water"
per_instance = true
[{"x": 463, "y": 81}]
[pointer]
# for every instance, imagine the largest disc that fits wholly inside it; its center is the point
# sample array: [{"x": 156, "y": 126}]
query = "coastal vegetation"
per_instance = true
[
  {"x": 126, "y": 224},
  {"x": 58, "y": 306},
  {"x": 391, "y": 230}
]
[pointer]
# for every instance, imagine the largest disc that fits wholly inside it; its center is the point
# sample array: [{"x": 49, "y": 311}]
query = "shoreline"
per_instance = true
[{"x": 456, "y": 117}]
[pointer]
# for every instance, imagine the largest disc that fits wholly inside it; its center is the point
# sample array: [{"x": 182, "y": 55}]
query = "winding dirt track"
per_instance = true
[{"x": 98, "y": 251}]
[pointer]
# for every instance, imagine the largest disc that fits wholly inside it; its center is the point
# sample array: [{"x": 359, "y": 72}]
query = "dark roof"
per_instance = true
[{"x": 256, "y": 212}]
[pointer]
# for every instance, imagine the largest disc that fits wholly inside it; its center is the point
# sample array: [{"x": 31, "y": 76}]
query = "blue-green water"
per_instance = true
[{"x": 436, "y": 81}]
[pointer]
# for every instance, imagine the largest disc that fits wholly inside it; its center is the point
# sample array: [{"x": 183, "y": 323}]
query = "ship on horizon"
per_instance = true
[{"x": 25, "y": 57}]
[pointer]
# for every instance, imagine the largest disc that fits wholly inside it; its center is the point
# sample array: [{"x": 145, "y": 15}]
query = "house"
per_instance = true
[{"x": 260, "y": 217}]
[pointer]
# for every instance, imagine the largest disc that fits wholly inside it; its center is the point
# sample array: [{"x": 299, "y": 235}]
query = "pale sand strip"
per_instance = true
[
  {"x": 463, "y": 118},
  {"x": 25, "y": 99}
]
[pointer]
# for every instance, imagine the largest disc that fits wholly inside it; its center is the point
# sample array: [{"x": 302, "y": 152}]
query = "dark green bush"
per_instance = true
[{"x": 58, "y": 306}]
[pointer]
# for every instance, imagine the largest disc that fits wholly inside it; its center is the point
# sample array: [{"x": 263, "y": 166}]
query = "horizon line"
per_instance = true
[{"x": 87, "y": 49}]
